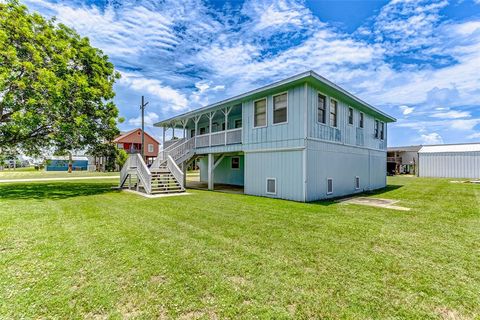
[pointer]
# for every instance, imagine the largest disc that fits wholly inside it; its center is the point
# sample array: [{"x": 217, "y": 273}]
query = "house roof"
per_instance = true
[
  {"x": 405, "y": 148},
  {"x": 309, "y": 76},
  {"x": 126, "y": 134},
  {"x": 65, "y": 158},
  {"x": 463, "y": 147}
]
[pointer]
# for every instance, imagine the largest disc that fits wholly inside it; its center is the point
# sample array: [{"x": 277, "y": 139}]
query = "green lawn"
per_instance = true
[
  {"x": 30, "y": 173},
  {"x": 83, "y": 250}
]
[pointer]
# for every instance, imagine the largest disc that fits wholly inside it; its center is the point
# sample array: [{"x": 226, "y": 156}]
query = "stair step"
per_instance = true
[{"x": 167, "y": 191}]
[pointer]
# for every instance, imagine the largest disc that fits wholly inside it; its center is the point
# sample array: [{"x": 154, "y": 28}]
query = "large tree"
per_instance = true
[{"x": 56, "y": 90}]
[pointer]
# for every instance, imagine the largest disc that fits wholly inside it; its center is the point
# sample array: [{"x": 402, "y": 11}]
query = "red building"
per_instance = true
[{"x": 131, "y": 142}]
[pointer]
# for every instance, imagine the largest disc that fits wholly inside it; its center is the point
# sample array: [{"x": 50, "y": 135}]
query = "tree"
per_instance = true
[
  {"x": 122, "y": 157},
  {"x": 56, "y": 90}
]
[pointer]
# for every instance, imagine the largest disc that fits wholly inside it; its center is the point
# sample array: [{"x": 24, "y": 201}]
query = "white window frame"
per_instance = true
[
  {"x": 150, "y": 145},
  {"x": 381, "y": 133},
  {"x": 266, "y": 185},
  {"x": 357, "y": 186},
  {"x": 231, "y": 163},
  {"x": 266, "y": 113},
  {"x": 353, "y": 116},
  {"x": 361, "y": 120},
  {"x": 327, "y": 109},
  {"x": 376, "y": 130},
  {"x": 273, "y": 108},
  {"x": 330, "y": 112},
  {"x": 329, "y": 192}
]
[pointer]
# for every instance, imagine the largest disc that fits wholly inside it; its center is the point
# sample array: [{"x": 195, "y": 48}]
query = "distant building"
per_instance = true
[
  {"x": 450, "y": 161},
  {"x": 61, "y": 163},
  {"x": 437, "y": 161},
  {"x": 131, "y": 142},
  {"x": 402, "y": 160}
]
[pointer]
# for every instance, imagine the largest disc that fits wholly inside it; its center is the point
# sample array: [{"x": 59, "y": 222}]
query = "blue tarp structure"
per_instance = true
[{"x": 61, "y": 164}]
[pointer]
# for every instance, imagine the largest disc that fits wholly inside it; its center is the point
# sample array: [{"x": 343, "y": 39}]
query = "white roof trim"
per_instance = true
[{"x": 471, "y": 147}]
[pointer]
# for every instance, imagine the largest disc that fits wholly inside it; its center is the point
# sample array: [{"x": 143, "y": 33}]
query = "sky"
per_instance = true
[{"x": 418, "y": 61}]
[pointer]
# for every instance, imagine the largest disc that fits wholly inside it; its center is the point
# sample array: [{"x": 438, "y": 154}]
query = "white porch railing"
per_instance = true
[
  {"x": 136, "y": 164},
  {"x": 219, "y": 138},
  {"x": 176, "y": 171}
]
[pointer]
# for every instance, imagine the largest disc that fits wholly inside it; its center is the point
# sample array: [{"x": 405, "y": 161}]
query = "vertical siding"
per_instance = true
[
  {"x": 342, "y": 163},
  {"x": 276, "y": 135},
  {"x": 223, "y": 173},
  {"x": 450, "y": 165},
  {"x": 344, "y": 133},
  {"x": 285, "y": 166}
]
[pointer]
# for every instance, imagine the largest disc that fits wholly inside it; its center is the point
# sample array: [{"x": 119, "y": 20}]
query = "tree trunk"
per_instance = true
[{"x": 70, "y": 162}]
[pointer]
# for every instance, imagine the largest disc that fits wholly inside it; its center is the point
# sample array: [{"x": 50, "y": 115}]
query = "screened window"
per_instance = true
[
  {"x": 350, "y": 116},
  {"x": 329, "y": 186},
  {"x": 271, "y": 185},
  {"x": 235, "y": 163},
  {"x": 202, "y": 130},
  {"x": 280, "y": 108},
  {"x": 322, "y": 108},
  {"x": 360, "y": 121},
  {"x": 260, "y": 109},
  {"x": 150, "y": 147},
  {"x": 333, "y": 112},
  {"x": 377, "y": 129},
  {"x": 238, "y": 123},
  {"x": 357, "y": 182}
]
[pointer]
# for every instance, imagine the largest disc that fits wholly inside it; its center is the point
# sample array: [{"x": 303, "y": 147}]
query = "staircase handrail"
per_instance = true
[
  {"x": 176, "y": 171},
  {"x": 144, "y": 174}
]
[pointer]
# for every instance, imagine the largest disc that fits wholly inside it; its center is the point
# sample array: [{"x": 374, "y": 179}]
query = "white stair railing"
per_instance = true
[
  {"x": 176, "y": 171},
  {"x": 135, "y": 163}
]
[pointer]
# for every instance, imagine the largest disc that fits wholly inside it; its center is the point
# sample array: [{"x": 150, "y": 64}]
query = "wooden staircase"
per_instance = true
[{"x": 164, "y": 182}]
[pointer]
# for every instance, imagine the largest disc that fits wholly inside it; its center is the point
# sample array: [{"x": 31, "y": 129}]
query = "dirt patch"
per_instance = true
[
  {"x": 375, "y": 202},
  {"x": 449, "y": 314}
]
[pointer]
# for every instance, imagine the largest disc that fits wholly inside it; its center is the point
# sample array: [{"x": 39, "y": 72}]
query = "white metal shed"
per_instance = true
[{"x": 450, "y": 161}]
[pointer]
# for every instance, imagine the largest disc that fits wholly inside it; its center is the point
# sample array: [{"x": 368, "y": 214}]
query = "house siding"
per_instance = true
[
  {"x": 449, "y": 165},
  {"x": 285, "y": 166},
  {"x": 223, "y": 173}
]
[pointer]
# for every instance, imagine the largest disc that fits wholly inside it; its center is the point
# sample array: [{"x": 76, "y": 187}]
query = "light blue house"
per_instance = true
[{"x": 303, "y": 138}]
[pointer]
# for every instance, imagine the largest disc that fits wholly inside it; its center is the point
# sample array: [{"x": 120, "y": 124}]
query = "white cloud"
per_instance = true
[
  {"x": 150, "y": 119},
  {"x": 452, "y": 114},
  {"x": 475, "y": 135},
  {"x": 406, "y": 110},
  {"x": 172, "y": 99},
  {"x": 431, "y": 138}
]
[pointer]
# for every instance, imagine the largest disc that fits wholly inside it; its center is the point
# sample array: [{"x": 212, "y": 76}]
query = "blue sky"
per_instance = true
[{"x": 416, "y": 60}]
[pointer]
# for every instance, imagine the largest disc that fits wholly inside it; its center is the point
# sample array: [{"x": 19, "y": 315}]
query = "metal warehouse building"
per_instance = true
[{"x": 449, "y": 161}]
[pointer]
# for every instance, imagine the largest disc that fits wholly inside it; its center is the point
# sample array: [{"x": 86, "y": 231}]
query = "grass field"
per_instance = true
[
  {"x": 83, "y": 250},
  {"x": 31, "y": 173}
]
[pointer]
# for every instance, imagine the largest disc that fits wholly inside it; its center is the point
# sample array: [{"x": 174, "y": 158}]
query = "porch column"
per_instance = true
[
  {"x": 163, "y": 143},
  {"x": 226, "y": 111},
  {"x": 210, "y": 118},
  {"x": 184, "y": 170},
  {"x": 184, "y": 123},
  {"x": 210, "y": 171},
  {"x": 196, "y": 119}
]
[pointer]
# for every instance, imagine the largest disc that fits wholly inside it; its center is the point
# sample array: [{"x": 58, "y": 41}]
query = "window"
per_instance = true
[
  {"x": 322, "y": 108},
  {"x": 271, "y": 185},
  {"x": 377, "y": 129},
  {"x": 382, "y": 130},
  {"x": 357, "y": 182},
  {"x": 260, "y": 110},
  {"x": 360, "y": 121},
  {"x": 280, "y": 108},
  {"x": 192, "y": 133},
  {"x": 350, "y": 116},
  {"x": 223, "y": 126},
  {"x": 150, "y": 147},
  {"x": 120, "y": 145},
  {"x": 202, "y": 130},
  {"x": 329, "y": 186},
  {"x": 333, "y": 112},
  {"x": 235, "y": 163},
  {"x": 238, "y": 123}
]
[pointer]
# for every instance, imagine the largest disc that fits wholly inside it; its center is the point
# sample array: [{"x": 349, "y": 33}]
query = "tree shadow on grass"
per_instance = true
[
  {"x": 388, "y": 188},
  {"x": 52, "y": 190}
]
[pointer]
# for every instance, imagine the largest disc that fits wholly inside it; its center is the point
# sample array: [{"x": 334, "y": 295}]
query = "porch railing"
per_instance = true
[{"x": 219, "y": 138}]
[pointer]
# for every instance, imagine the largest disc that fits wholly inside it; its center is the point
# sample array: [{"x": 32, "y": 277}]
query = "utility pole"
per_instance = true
[{"x": 142, "y": 107}]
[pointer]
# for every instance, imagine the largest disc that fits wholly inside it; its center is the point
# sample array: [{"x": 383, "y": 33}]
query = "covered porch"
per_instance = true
[{"x": 220, "y": 126}]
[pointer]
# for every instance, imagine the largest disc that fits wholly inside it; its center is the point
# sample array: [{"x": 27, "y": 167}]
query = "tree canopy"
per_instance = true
[{"x": 56, "y": 90}]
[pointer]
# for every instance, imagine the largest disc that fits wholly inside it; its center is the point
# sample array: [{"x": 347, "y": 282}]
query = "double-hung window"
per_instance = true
[
  {"x": 280, "y": 108},
  {"x": 260, "y": 113},
  {"x": 382, "y": 130},
  {"x": 322, "y": 108},
  {"x": 377, "y": 129},
  {"x": 361, "y": 120},
  {"x": 350, "y": 116},
  {"x": 150, "y": 147},
  {"x": 333, "y": 112}
]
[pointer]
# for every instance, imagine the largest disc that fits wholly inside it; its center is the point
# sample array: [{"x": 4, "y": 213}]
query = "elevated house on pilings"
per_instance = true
[{"x": 303, "y": 138}]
